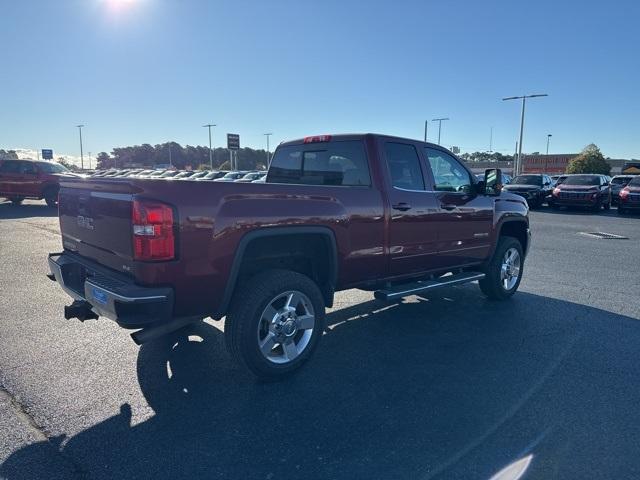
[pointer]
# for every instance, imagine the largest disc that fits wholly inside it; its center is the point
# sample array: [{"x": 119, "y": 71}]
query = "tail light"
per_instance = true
[
  {"x": 624, "y": 193},
  {"x": 317, "y": 139},
  {"x": 153, "y": 237},
  {"x": 556, "y": 192}
]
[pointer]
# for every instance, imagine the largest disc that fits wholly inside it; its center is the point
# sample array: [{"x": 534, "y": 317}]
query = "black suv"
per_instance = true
[{"x": 536, "y": 188}]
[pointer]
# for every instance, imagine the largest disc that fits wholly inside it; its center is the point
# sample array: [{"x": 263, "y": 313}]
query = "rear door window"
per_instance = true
[
  {"x": 404, "y": 166},
  {"x": 332, "y": 163}
]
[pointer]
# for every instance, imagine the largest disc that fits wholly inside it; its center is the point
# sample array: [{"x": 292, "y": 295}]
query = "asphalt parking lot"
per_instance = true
[{"x": 448, "y": 385}]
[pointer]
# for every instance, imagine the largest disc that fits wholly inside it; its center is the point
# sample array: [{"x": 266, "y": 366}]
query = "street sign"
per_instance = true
[
  {"x": 47, "y": 154},
  {"x": 233, "y": 141}
]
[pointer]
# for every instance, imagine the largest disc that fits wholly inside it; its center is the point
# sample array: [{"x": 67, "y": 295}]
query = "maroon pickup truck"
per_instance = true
[
  {"x": 20, "y": 179},
  {"x": 374, "y": 212}
]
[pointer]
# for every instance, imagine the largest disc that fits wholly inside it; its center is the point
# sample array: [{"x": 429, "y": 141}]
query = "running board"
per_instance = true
[{"x": 404, "y": 290}]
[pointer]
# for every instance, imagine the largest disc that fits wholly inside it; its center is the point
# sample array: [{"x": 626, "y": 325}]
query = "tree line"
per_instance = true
[{"x": 173, "y": 153}]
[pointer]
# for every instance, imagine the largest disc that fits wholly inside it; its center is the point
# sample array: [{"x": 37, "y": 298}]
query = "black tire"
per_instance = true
[
  {"x": 491, "y": 285},
  {"x": 598, "y": 206},
  {"x": 554, "y": 206},
  {"x": 607, "y": 206},
  {"x": 51, "y": 196},
  {"x": 243, "y": 322},
  {"x": 16, "y": 200},
  {"x": 621, "y": 210}
]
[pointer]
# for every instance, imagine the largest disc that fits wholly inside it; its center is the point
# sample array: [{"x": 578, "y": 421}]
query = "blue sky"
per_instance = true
[{"x": 148, "y": 71}]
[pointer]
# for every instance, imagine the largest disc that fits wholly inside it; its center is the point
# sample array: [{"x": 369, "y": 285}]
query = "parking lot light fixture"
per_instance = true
[
  {"x": 209, "y": 125},
  {"x": 268, "y": 154},
  {"x": 81, "y": 154},
  {"x": 439, "y": 120},
  {"x": 518, "y": 166}
]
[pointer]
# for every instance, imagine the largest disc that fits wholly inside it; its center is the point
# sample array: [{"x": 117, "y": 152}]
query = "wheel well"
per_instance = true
[
  {"x": 311, "y": 254},
  {"x": 50, "y": 187},
  {"x": 518, "y": 230}
]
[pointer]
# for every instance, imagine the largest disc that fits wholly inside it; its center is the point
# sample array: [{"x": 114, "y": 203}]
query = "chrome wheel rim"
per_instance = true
[
  {"x": 510, "y": 268},
  {"x": 285, "y": 327}
]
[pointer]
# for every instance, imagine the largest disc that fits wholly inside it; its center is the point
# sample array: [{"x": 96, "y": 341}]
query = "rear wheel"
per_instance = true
[
  {"x": 504, "y": 271},
  {"x": 16, "y": 200},
  {"x": 275, "y": 323}
]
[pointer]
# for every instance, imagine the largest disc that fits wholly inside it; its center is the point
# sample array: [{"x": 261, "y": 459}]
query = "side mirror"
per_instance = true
[{"x": 492, "y": 181}]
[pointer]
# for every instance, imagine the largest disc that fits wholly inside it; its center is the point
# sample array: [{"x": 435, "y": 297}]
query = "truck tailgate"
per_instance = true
[{"x": 95, "y": 221}]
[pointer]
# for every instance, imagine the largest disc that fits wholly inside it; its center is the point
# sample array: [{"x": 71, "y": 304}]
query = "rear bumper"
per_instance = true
[{"x": 110, "y": 293}]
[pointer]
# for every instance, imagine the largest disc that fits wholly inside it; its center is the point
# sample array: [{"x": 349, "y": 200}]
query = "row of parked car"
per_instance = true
[
  {"x": 578, "y": 190},
  {"x": 241, "y": 176}
]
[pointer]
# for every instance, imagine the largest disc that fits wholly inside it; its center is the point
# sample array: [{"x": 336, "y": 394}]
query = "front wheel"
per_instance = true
[
  {"x": 504, "y": 271},
  {"x": 16, "y": 200},
  {"x": 275, "y": 322},
  {"x": 51, "y": 197}
]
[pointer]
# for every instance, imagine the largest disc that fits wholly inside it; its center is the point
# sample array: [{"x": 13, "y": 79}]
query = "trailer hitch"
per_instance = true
[{"x": 80, "y": 309}]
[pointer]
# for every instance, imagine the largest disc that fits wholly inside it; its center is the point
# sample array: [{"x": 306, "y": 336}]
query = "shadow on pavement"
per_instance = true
[
  {"x": 449, "y": 386},
  {"x": 10, "y": 211}
]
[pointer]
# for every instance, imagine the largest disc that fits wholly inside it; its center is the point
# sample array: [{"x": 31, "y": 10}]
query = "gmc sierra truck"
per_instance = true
[{"x": 380, "y": 213}]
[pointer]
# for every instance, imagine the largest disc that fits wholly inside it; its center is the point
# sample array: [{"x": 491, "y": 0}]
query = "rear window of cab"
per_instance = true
[{"x": 333, "y": 163}]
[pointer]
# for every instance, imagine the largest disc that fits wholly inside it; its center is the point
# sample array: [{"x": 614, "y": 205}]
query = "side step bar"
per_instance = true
[{"x": 404, "y": 290}]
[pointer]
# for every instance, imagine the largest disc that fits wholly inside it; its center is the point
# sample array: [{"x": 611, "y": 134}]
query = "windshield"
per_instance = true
[
  {"x": 635, "y": 182},
  {"x": 527, "y": 180},
  {"x": 53, "y": 168},
  {"x": 620, "y": 180},
  {"x": 582, "y": 180}
]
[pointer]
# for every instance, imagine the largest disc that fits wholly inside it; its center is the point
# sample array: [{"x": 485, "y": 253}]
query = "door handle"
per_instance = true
[
  {"x": 448, "y": 206},
  {"x": 402, "y": 206}
]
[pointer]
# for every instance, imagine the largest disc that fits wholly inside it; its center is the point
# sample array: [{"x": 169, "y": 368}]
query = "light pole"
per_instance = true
[
  {"x": 268, "y": 156},
  {"x": 439, "y": 120},
  {"x": 81, "y": 154},
  {"x": 426, "y": 126},
  {"x": 209, "y": 125},
  {"x": 524, "y": 99},
  {"x": 548, "y": 138},
  {"x": 491, "y": 140}
]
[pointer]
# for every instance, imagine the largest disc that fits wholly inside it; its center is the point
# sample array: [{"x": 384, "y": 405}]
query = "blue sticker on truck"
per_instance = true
[{"x": 99, "y": 296}]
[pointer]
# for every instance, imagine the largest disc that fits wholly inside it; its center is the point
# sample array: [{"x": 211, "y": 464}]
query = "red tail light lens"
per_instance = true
[
  {"x": 556, "y": 192},
  {"x": 624, "y": 193},
  {"x": 153, "y": 237}
]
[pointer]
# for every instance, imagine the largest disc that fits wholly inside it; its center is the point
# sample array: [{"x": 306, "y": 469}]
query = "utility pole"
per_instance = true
[
  {"x": 81, "y": 154},
  {"x": 89, "y": 158},
  {"x": 268, "y": 155},
  {"x": 439, "y": 120},
  {"x": 546, "y": 158},
  {"x": 209, "y": 125},
  {"x": 524, "y": 99},
  {"x": 426, "y": 126},
  {"x": 170, "y": 162}
]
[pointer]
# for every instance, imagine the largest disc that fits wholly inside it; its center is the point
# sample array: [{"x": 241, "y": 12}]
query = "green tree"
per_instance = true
[{"x": 590, "y": 160}]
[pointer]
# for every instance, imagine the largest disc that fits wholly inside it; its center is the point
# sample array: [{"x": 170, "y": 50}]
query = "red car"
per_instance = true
[
  {"x": 592, "y": 191},
  {"x": 629, "y": 197},
  {"x": 20, "y": 179}
]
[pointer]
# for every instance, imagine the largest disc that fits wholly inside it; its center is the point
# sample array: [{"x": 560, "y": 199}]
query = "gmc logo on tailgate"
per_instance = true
[{"x": 85, "y": 222}]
